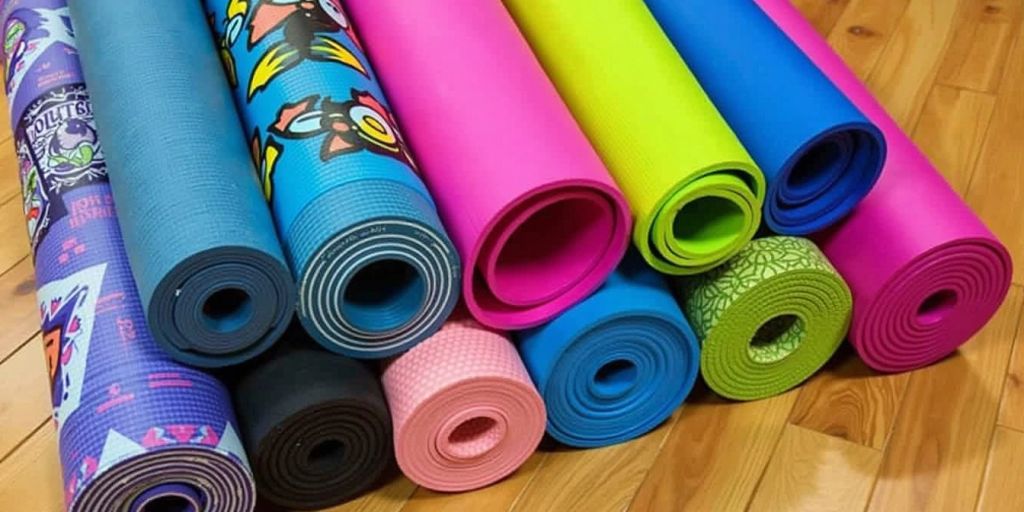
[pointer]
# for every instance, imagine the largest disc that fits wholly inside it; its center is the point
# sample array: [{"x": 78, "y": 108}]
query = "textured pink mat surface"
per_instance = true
[
  {"x": 536, "y": 218},
  {"x": 464, "y": 410},
  {"x": 926, "y": 274}
]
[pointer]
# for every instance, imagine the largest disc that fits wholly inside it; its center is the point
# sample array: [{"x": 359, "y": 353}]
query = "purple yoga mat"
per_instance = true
[{"x": 137, "y": 431}]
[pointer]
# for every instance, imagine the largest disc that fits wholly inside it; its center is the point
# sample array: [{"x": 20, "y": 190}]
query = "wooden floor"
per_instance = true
[{"x": 949, "y": 437}]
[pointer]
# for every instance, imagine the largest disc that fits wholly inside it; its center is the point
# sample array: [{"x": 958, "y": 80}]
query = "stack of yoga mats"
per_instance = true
[
  {"x": 136, "y": 430},
  {"x": 200, "y": 238},
  {"x": 465, "y": 412},
  {"x": 536, "y": 218},
  {"x": 926, "y": 274},
  {"x": 769, "y": 318},
  {"x": 617, "y": 364},
  {"x": 820, "y": 155},
  {"x": 375, "y": 269},
  {"x": 694, "y": 190},
  {"x": 315, "y": 424}
]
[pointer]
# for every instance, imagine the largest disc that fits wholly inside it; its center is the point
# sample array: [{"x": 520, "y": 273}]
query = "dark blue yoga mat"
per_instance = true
[
  {"x": 820, "y": 154},
  {"x": 617, "y": 364},
  {"x": 137, "y": 431},
  {"x": 376, "y": 270},
  {"x": 199, "y": 235}
]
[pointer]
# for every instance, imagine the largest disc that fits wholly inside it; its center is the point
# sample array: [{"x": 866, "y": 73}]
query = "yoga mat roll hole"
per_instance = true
[
  {"x": 777, "y": 339},
  {"x": 327, "y": 456},
  {"x": 227, "y": 310},
  {"x": 615, "y": 378},
  {"x": 524, "y": 267},
  {"x": 384, "y": 295},
  {"x": 475, "y": 437},
  {"x": 708, "y": 225},
  {"x": 937, "y": 307},
  {"x": 170, "y": 498}
]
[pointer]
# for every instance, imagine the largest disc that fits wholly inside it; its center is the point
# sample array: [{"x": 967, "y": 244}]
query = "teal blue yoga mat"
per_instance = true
[
  {"x": 199, "y": 236},
  {"x": 617, "y": 364},
  {"x": 376, "y": 270}
]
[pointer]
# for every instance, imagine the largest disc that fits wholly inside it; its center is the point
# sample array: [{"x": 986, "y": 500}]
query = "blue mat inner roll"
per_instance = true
[
  {"x": 617, "y": 364},
  {"x": 375, "y": 268},
  {"x": 200, "y": 238},
  {"x": 820, "y": 154}
]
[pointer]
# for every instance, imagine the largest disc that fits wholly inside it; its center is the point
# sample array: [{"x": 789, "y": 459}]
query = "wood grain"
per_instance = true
[
  {"x": 715, "y": 454},
  {"x": 29, "y": 479},
  {"x": 24, "y": 395},
  {"x": 1002, "y": 489},
  {"x": 935, "y": 458},
  {"x": 823, "y": 14},
  {"x": 811, "y": 471},
  {"x": 980, "y": 45},
  {"x": 389, "y": 498},
  {"x": 952, "y": 131},
  {"x": 500, "y": 496},
  {"x": 849, "y": 401},
  {"x": 13, "y": 236},
  {"x": 1011, "y": 409},
  {"x": 862, "y": 32},
  {"x": 18, "y": 315}
]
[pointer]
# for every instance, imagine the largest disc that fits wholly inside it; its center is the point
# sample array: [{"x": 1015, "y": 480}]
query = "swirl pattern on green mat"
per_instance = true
[{"x": 769, "y": 318}]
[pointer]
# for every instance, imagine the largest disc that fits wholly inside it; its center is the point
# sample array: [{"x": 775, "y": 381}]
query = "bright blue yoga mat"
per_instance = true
[
  {"x": 199, "y": 236},
  {"x": 376, "y": 271},
  {"x": 615, "y": 365},
  {"x": 820, "y": 154}
]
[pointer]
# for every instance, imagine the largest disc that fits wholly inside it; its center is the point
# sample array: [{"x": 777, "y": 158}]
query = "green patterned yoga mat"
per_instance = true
[{"x": 769, "y": 318}]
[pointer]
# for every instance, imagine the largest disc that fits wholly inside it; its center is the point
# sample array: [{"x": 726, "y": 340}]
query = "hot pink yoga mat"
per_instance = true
[
  {"x": 926, "y": 274},
  {"x": 464, "y": 410},
  {"x": 533, "y": 212}
]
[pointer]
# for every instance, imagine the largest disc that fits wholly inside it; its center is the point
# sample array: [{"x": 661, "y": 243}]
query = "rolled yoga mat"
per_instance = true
[
  {"x": 694, "y": 190},
  {"x": 202, "y": 245},
  {"x": 137, "y": 431},
  {"x": 926, "y": 274},
  {"x": 315, "y": 424},
  {"x": 819, "y": 154},
  {"x": 536, "y": 218},
  {"x": 464, "y": 410},
  {"x": 617, "y": 364},
  {"x": 768, "y": 319},
  {"x": 375, "y": 269}
]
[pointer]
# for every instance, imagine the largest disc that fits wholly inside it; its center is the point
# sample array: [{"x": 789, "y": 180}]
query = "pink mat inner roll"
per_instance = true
[
  {"x": 538, "y": 221},
  {"x": 464, "y": 410},
  {"x": 926, "y": 274}
]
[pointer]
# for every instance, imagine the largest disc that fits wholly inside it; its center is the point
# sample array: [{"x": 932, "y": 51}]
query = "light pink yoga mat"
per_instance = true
[
  {"x": 464, "y": 410},
  {"x": 926, "y": 274},
  {"x": 538, "y": 221}
]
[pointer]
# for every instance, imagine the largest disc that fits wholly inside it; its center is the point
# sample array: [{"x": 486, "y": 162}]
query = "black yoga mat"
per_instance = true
[{"x": 315, "y": 424}]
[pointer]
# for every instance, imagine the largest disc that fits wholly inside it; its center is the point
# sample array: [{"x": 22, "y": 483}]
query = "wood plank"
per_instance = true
[
  {"x": 19, "y": 317},
  {"x": 863, "y": 31},
  {"x": 998, "y": 189},
  {"x": 935, "y": 458},
  {"x": 981, "y": 43},
  {"x": 823, "y": 14},
  {"x": 811, "y": 471},
  {"x": 388, "y": 498},
  {"x": 10, "y": 184},
  {"x": 33, "y": 475},
  {"x": 24, "y": 395},
  {"x": 596, "y": 479},
  {"x": 952, "y": 131},
  {"x": 1011, "y": 407},
  {"x": 850, "y": 401},
  {"x": 500, "y": 496},
  {"x": 908, "y": 65},
  {"x": 1002, "y": 489},
  {"x": 715, "y": 454},
  {"x": 15, "y": 244}
]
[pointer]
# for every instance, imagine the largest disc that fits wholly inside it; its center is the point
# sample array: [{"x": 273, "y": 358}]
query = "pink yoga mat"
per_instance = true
[
  {"x": 926, "y": 274},
  {"x": 464, "y": 410},
  {"x": 535, "y": 216}
]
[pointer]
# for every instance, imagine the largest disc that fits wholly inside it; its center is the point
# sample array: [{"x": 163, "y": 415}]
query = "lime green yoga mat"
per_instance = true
[
  {"x": 768, "y": 318},
  {"x": 695, "y": 191}
]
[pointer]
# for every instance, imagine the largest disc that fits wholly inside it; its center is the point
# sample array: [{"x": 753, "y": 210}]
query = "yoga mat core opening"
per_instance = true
[
  {"x": 227, "y": 310},
  {"x": 709, "y": 225},
  {"x": 327, "y": 455},
  {"x": 384, "y": 295},
  {"x": 776, "y": 339},
  {"x": 937, "y": 307},
  {"x": 475, "y": 437},
  {"x": 171, "y": 498},
  {"x": 615, "y": 378}
]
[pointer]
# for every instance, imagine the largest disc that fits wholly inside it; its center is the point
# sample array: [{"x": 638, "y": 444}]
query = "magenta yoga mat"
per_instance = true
[
  {"x": 535, "y": 216},
  {"x": 925, "y": 273}
]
